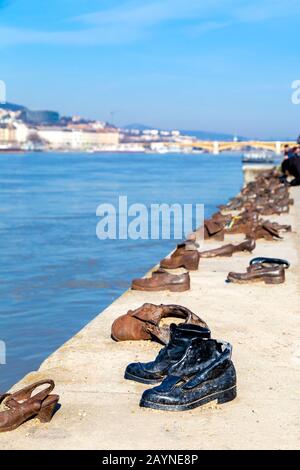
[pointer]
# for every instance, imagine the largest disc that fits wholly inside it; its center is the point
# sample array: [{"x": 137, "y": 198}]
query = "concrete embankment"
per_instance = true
[{"x": 99, "y": 409}]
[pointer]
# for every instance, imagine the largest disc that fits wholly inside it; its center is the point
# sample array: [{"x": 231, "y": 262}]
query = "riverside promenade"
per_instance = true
[{"x": 100, "y": 410}]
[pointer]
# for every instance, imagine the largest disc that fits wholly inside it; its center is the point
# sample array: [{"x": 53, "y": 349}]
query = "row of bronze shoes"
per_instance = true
[
  {"x": 193, "y": 369},
  {"x": 263, "y": 197},
  {"x": 262, "y": 269}
]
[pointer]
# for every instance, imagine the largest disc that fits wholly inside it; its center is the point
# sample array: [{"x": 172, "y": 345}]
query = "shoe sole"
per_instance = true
[
  {"x": 171, "y": 288},
  {"x": 274, "y": 280},
  {"x": 229, "y": 255},
  {"x": 222, "y": 397},
  {"x": 140, "y": 380},
  {"x": 189, "y": 267}
]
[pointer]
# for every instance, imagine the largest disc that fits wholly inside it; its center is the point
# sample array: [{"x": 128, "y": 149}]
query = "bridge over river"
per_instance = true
[{"x": 216, "y": 147}]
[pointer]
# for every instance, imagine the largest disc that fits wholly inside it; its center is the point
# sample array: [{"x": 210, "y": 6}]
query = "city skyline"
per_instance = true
[{"x": 223, "y": 67}]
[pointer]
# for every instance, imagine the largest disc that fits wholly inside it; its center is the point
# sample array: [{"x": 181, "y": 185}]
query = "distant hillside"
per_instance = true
[
  {"x": 33, "y": 117},
  {"x": 137, "y": 126},
  {"x": 201, "y": 135},
  {"x": 12, "y": 107}
]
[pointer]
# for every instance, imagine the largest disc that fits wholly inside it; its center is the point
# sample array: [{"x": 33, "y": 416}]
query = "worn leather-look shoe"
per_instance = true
[
  {"x": 188, "y": 260},
  {"x": 22, "y": 405},
  {"x": 213, "y": 230},
  {"x": 181, "y": 337},
  {"x": 274, "y": 210},
  {"x": 228, "y": 250},
  {"x": 258, "y": 273},
  {"x": 186, "y": 245},
  {"x": 221, "y": 218},
  {"x": 162, "y": 280},
  {"x": 205, "y": 373},
  {"x": 143, "y": 323},
  {"x": 264, "y": 230},
  {"x": 280, "y": 227}
]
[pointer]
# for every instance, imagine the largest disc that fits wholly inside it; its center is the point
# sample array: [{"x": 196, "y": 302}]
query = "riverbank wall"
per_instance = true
[{"x": 100, "y": 410}]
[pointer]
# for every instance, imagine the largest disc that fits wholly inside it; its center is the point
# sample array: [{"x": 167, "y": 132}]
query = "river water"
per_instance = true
[{"x": 55, "y": 274}]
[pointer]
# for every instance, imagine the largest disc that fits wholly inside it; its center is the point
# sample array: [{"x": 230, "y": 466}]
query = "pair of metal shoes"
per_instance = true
[
  {"x": 23, "y": 405},
  {"x": 262, "y": 269},
  {"x": 193, "y": 369}
]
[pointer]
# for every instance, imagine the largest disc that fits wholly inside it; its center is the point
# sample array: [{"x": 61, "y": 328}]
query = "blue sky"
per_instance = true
[{"x": 218, "y": 65}]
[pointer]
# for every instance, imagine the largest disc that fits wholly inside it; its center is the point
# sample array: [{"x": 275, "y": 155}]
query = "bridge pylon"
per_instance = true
[
  {"x": 278, "y": 148},
  {"x": 216, "y": 148}
]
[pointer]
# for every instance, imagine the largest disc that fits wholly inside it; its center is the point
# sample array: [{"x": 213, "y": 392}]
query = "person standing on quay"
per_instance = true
[{"x": 291, "y": 167}]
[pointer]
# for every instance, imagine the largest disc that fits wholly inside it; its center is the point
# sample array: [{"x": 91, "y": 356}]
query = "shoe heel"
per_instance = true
[
  {"x": 47, "y": 411},
  {"x": 226, "y": 396},
  {"x": 274, "y": 280},
  {"x": 192, "y": 265},
  {"x": 179, "y": 288},
  {"x": 218, "y": 236}
]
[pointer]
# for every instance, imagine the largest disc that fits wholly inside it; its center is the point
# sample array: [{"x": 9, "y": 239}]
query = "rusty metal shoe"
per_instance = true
[
  {"x": 241, "y": 227},
  {"x": 22, "y": 405},
  {"x": 271, "y": 275},
  {"x": 274, "y": 210},
  {"x": 264, "y": 230},
  {"x": 162, "y": 280},
  {"x": 213, "y": 230},
  {"x": 279, "y": 227},
  {"x": 189, "y": 260},
  {"x": 228, "y": 250},
  {"x": 186, "y": 245},
  {"x": 221, "y": 218},
  {"x": 144, "y": 322}
]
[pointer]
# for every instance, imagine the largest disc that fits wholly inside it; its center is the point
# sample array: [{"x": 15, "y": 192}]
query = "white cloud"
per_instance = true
[
  {"x": 133, "y": 20},
  {"x": 208, "y": 26},
  {"x": 84, "y": 37},
  {"x": 151, "y": 13},
  {"x": 127, "y": 22},
  {"x": 266, "y": 10}
]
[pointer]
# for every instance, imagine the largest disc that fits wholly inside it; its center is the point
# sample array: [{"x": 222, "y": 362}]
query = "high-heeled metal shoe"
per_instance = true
[{"x": 22, "y": 405}]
